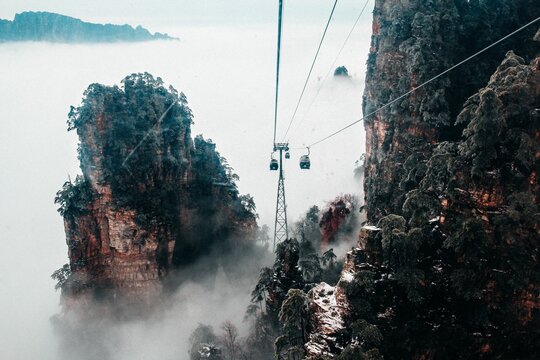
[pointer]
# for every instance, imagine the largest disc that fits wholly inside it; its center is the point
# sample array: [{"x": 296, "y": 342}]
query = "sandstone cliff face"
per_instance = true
[
  {"x": 491, "y": 184},
  {"x": 150, "y": 200},
  {"x": 406, "y": 42},
  {"x": 111, "y": 256},
  {"x": 338, "y": 220},
  {"x": 330, "y": 309},
  {"x": 412, "y": 42},
  {"x": 449, "y": 267}
]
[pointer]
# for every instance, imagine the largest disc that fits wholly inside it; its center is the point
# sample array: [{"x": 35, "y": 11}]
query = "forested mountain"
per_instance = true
[
  {"x": 447, "y": 265},
  {"x": 441, "y": 258},
  {"x": 45, "y": 26},
  {"x": 150, "y": 200}
]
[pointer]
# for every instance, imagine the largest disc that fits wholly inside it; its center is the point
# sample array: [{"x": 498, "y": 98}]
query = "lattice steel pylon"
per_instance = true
[{"x": 281, "y": 231}]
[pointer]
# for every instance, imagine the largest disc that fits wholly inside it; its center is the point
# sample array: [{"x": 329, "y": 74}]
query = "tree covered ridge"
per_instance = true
[
  {"x": 137, "y": 157},
  {"x": 130, "y": 142},
  {"x": 449, "y": 268},
  {"x": 46, "y": 26},
  {"x": 453, "y": 271},
  {"x": 137, "y": 140},
  {"x": 411, "y": 43}
]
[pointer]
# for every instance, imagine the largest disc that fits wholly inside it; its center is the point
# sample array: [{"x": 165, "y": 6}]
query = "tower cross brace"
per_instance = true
[{"x": 281, "y": 232}]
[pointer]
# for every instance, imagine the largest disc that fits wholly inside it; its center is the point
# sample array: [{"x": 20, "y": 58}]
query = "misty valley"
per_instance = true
[{"x": 395, "y": 215}]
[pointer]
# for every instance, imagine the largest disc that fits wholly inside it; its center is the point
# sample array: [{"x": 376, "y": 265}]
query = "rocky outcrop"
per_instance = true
[
  {"x": 326, "y": 320},
  {"x": 330, "y": 308},
  {"x": 340, "y": 218},
  {"x": 44, "y": 26},
  {"x": 284, "y": 276},
  {"x": 150, "y": 199},
  {"x": 412, "y": 42},
  {"x": 451, "y": 268},
  {"x": 490, "y": 185},
  {"x": 112, "y": 257},
  {"x": 405, "y": 52}
]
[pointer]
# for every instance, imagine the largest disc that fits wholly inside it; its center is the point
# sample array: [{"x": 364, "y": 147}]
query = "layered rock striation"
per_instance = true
[
  {"x": 151, "y": 200},
  {"x": 412, "y": 42},
  {"x": 448, "y": 267}
]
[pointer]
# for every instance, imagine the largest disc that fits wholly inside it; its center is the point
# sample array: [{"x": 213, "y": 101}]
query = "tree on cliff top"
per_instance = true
[
  {"x": 139, "y": 136},
  {"x": 341, "y": 71},
  {"x": 293, "y": 318},
  {"x": 135, "y": 149},
  {"x": 74, "y": 197}
]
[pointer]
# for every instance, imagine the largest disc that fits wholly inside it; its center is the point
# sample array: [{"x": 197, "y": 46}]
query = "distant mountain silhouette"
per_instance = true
[{"x": 45, "y": 26}]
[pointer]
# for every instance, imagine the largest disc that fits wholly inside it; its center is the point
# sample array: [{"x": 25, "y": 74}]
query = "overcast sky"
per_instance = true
[
  {"x": 186, "y": 12},
  {"x": 225, "y": 63}
]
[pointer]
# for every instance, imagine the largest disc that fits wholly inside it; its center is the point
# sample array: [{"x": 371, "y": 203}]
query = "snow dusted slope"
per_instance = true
[
  {"x": 326, "y": 314},
  {"x": 329, "y": 305}
]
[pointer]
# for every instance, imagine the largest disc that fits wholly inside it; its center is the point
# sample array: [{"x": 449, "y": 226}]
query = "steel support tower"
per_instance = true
[{"x": 281, "y": 231}]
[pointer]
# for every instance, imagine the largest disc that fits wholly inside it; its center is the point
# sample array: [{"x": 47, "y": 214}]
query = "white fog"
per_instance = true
[{"x": 227, "y": 73}]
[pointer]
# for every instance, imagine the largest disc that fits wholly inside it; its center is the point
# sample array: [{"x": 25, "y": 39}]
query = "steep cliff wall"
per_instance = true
[
  {"x": 150, "y": 199},
  {"x": 412, "y": 42},
  {"x": 449, "y": 267}
]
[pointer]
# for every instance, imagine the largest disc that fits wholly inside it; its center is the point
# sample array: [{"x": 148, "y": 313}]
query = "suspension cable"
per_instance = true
[
  {"x": 280, "y": 27},
  {"x": 424, "y": 83},
  {"x": 332, "y": 66},
  {"x": 311, "y": 69},
  {"x": 152, "y": 130}
]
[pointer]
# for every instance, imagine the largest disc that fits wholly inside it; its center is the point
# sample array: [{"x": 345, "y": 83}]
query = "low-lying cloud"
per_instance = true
[{"x": 227, "y": 75}]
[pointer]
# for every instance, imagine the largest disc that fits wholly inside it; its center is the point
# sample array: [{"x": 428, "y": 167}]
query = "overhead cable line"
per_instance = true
[
  {"x": 311, "y": 69},
  {"x": 148, "y": 133},
  {"x": 280, "y": 28},
  {"x": 333, "y": 64},
  {"x": 423, "y": 84}
]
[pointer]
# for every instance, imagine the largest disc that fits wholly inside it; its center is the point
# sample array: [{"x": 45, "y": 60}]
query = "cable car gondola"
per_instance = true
[
  {"x": 273, "y": 164},
  {"x": 287, "y": 155},
  {"x": 305, "y": 163}
]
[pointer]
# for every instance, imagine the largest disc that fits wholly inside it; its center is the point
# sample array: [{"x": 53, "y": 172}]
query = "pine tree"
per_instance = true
[
  {"x": 483, "y": 134},
  {"x": 293, "y": 315}
]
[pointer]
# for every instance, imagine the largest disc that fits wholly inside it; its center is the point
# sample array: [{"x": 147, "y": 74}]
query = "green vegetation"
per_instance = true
[
  {"x": 46, "y": 26},
  {"x": 483, "y": 133},
  {"x": 279, "y": 312},
  {"x": 143, "y": 130},
  {"x": 74, "y": 197},
  {"x": 136, "y": 152},
  {"x": 341, "y": 71},
  {"x": 293, "y": 319},
  {"x": 61, "y": 276}
]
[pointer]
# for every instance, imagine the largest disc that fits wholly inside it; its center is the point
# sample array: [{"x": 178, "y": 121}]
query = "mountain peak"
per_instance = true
[{"x": 53, "y": 27}]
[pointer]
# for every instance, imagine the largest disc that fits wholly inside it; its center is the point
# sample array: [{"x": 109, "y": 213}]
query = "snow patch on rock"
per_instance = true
[
  {"x": 347, "y": 276},
  {"x": 327, "y": 320},
  {"x": 371, "y": 228}
]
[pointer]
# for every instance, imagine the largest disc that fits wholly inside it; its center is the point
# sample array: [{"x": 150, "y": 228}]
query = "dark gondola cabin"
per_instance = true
[
  {"x": 304, "y": 162},
  {"x": 274, "y": 164},
  {"x": 287, "y": 155}
]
